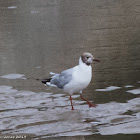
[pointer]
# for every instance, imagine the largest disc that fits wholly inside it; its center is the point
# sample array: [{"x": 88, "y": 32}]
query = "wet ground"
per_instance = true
[{"x": 37, "y": 37}]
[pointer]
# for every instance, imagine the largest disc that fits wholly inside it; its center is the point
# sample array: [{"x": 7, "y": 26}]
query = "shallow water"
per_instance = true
[{"x": 49, "y": 35}]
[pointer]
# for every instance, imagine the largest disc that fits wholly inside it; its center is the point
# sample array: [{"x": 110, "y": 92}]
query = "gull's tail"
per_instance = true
[{"x": 47, "y": 81}]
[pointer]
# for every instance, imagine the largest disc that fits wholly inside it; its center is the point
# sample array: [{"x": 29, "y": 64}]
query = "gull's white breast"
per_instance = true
[{"x": 81, "y": 77}]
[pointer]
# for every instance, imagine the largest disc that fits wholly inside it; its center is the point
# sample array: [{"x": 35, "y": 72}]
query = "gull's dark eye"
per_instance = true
[{"x": 87, "y": 57}]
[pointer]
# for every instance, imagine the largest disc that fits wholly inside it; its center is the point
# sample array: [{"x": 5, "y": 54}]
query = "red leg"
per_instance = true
[
  {"x": 71, "y": 103},
  {"x": 89, "y": 103}
]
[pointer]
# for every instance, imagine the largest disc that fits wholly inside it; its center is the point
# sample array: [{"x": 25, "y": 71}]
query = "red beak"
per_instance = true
[{"x": 96, "y": 60}]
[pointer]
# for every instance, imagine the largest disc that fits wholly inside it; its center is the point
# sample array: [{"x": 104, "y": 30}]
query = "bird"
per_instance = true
[{"x": 75, "y": 79}]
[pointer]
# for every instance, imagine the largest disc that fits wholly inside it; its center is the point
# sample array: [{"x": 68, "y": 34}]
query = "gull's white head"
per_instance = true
[{"x": 88, "y": 58}]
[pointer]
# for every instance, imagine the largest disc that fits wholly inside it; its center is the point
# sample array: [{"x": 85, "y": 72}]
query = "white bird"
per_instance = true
[{"x": 76, "y": 79}]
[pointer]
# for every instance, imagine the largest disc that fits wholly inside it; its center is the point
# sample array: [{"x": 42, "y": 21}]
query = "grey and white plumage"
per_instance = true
[
  {"x": 60, "y": 80},
  {"x": 75, "y": 79}
]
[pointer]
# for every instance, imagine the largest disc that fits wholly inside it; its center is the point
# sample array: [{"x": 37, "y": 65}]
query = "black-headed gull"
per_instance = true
[{"x": 76, "y": 79}]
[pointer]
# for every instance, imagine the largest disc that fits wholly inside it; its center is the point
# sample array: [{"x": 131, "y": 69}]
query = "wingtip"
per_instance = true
[{"x": 43, "y": 81}]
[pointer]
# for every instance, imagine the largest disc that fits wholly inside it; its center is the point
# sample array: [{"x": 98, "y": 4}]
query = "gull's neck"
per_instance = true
[{"x": 82, "y": 65}]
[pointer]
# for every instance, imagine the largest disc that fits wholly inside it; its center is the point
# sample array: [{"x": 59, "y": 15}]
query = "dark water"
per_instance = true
[{"x": 37, "y": 37}]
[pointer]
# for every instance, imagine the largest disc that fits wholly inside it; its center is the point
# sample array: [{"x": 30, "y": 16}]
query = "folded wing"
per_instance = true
[{"x": 60, "y": 80}]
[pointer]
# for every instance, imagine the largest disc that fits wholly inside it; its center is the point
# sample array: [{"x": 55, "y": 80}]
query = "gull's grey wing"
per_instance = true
[{"x": 60, "y": 80}]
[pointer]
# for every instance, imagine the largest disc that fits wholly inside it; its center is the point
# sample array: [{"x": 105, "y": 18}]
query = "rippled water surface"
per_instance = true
[{"x": 39, "y": 37}]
